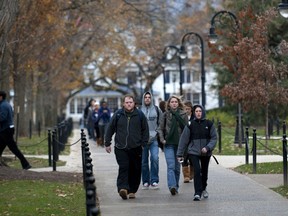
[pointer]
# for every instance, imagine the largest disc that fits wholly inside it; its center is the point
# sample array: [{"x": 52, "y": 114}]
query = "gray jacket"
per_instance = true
[
  {"x": 199, "y": 134},
  {"x": 151, "y": 115}
]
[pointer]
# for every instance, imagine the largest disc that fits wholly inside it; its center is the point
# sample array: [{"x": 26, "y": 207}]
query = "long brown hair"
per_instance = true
[{"x": 181, "y": 105}]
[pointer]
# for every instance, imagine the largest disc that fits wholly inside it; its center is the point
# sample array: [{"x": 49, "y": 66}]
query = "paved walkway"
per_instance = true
[{"x": 230, "y": 193}]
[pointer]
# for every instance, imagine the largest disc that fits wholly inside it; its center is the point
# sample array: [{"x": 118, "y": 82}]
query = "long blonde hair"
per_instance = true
[{"x": 181, "y": 105}]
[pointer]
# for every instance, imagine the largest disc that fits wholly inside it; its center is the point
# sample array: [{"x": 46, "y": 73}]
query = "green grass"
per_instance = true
[
  {"x": 34, "y": 162},
  {"x": 269, "y": 147},
  {"x": 261, "y": 168},
  {"x": 23, "y": 197},
  {"x": 37, "y": 145}
]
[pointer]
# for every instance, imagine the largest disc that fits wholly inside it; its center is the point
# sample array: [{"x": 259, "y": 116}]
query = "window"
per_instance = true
[
  {"x": 167, "y": 76},
  {"x": 82, "y": 102},
  {"x": 112, "y": 104},
  {"x": 72, "y": 106},
  {"x": 196, "y": 98},
  {"x": 196, "y": 76},
  {"x": 187, "y": 74}
]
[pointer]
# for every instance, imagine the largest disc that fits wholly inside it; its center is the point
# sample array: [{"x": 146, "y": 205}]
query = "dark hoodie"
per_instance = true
[{"x": 197, "y": 136}]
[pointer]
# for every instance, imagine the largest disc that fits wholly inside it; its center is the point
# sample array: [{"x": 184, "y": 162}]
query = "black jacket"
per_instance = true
[{"x": 129, "y": 132}]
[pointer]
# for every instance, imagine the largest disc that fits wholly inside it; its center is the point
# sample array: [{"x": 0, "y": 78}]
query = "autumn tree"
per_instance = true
[{"x": 256, "y": 78}]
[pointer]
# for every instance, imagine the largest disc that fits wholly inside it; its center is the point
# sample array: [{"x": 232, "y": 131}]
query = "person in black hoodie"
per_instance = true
[
  {"x": 131, "y": 135},
  {"x": 200, "y": 137}
]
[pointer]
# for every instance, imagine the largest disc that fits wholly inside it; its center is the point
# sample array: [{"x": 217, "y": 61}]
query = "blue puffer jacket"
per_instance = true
[{"x": 6, "y": 115}]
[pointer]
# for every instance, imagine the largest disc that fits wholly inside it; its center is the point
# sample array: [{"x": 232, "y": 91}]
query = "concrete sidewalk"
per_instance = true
[{"x": 230, "y": 193}]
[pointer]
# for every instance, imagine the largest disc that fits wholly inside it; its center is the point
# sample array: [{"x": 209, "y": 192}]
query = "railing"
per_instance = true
[{"x": 256, "y": 141}]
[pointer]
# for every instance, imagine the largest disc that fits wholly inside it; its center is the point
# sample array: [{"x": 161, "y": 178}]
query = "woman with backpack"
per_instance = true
[
  {"x": 200, "y": 137},
  {"x": 170, "y": 129}
]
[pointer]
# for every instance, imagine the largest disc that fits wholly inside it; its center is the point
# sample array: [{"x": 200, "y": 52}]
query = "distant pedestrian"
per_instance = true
[
  {"x": 162, "y": 106},
  {"x": 153, "y": 114},
  {"x": 131, "y": 134},
  {"x": 187, "y": 166},
  {"x": 96, "y": 123},
  {"x": 200, "y": 137},
  {"x": 7, "y": 131},
  {"x": 88, "y": 121},
  {"x": 171, "y": 126},
  {"x": 104, "y": 116}
]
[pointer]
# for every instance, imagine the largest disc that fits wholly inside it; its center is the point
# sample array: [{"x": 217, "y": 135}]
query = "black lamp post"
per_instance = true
[
  {"x": 163, "y": 64},
  {"x": 222, "y": 17},
  {"x": 283, "y": 8},
  {"x": 188, "y": 37},
  {"x": 174, "y": 51}
]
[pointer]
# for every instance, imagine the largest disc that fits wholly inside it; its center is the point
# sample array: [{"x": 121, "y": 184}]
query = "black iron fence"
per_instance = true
[{"x": 256, "y": 142}]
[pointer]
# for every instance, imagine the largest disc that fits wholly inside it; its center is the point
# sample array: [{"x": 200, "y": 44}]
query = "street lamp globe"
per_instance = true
[
  {"x": 182, "y": 53},
  {"x": 213, "y": 37},
  {"x": 283, "y": 8}
]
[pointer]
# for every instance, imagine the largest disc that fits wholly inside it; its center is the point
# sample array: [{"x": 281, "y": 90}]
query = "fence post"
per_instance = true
[
  {"x": 39, "y": 128},
  {"x": 247, "y": 146},
  {"x": 285, "y": 159},
  {"x": 49, "y": 148},
  {"x": 284, "y": 127},
  {"x": 219, "y": 137},
  {"x": 254, "y": 150},
  {"x": 30, "y": 129},
  {"x": 54, "y": 144}
]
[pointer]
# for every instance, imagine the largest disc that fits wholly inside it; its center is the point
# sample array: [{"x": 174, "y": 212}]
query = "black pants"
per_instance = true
[
  {"x": 200, "y": 164},
  {"x": 7, "y": 139},
  {"x": 129, "y": 173}
]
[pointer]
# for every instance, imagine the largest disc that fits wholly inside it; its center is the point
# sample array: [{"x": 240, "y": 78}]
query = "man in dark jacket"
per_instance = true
[
  {"x": 132, "y": 134},
  {"x": 7, "y": 131}
]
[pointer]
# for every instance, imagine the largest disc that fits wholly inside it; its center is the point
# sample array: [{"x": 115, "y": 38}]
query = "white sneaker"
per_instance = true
[
  {"x": 145, "y": 186},
  {"x": 154, "y": 186},
  {"x": 205, "y": 194},
  {"x": 197, "y": 197}
]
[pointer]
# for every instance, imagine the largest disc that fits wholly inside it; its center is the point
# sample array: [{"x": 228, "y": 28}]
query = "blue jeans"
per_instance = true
[
  {"x": 150, "y": 176},
  {"x": 173, "y": 166}
]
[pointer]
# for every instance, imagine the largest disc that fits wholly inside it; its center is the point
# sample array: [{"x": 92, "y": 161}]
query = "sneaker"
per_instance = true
[
  {"x": 145, "y": 186},
  {"x": 131, "y": 196},
  {"x": 27, "y": 167},
  {"x": 154, "y": 186},
  {"x": 197, "y": 197},
  {"x": 173, "y": 191},
  {"x": 205, "y": 194},
  {"x": 123, "y": 194}
]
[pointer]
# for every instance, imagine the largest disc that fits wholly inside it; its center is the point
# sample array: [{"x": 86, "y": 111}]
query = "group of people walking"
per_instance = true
[
  {"x": 96, "y": 120},
  {"x": 187, "y": 137}
]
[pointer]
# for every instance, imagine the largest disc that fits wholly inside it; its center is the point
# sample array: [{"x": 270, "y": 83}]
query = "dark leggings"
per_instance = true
[
  {"x": 6, "y": 139},
  {"x": 200, "y": 164}
]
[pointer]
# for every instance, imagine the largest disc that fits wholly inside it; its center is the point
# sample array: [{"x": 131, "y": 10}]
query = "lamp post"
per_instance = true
[
  {"x": 188, "y": 37},
  {"x": 164, "y": 77},
  {"x": 174, "y": 51},
  {"x": 283, "y": 8},
  {"x": 221, "y": 15}
]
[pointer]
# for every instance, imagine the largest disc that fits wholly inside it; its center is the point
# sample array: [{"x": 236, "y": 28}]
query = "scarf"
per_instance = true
[{"x": 176, "y": 121}]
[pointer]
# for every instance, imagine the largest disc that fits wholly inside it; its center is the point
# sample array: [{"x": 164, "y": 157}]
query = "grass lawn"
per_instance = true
[{"x": 30, "y": 198}]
